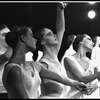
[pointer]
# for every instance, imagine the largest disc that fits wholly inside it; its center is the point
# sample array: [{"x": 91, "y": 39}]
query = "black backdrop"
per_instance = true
[{"x": 44, "y": 15}]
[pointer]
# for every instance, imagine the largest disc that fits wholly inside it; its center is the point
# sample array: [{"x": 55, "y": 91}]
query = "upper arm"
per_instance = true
[
  {"x": 46, "y": 73},
  {"x": 15, "y": 79},
  {"x": 43, "y": 65},
  {"x": 72, "y": 68}
]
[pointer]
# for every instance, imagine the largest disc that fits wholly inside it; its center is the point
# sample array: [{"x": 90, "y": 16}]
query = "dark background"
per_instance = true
[{"x": 43, "y": 14}]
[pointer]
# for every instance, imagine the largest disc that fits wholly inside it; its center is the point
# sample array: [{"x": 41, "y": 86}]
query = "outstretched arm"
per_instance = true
[
  {"x": 45, "y": 73},
  {"x": 72, "y": 68},
  {"x": 60, "y": 24}
]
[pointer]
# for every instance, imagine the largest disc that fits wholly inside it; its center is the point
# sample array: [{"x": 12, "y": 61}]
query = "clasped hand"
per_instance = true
[{"x": 87, "y": 89}]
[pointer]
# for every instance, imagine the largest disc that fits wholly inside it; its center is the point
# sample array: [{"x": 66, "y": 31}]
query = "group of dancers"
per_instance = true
[{"x": 76, "y": 76}]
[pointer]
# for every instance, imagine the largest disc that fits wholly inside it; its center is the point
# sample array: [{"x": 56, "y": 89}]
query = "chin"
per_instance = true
[{"x": 55, "y": 44}]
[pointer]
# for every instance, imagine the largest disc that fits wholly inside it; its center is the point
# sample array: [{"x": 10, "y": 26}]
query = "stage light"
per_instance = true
[
  {"x": 91, "y": 14},
  {"x": 91, "y": 3}
]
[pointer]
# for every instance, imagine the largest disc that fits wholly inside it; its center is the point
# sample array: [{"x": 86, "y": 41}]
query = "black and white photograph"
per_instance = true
[{"x": 49, "y": 49}]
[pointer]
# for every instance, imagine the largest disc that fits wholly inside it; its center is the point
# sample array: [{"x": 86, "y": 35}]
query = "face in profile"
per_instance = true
[
  {"x": 3, "y": 32},
  {"x": 49, "y": 37},
  {"x": 30, "y": 40},
  {"x": 87, "y": 43}
]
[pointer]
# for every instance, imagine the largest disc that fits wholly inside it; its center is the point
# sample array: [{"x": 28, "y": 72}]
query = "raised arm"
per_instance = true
[
  {"x": 72, "y": 68},
  {"x": 60, "y": 23}
]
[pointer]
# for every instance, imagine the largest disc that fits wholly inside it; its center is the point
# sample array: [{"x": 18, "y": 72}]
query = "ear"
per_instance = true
[
  {"x": 42, "y": 42},
  {"x": 22, "y": 38}
]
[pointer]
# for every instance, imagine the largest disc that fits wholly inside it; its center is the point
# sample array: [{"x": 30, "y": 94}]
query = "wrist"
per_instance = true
[
  {"x": 60, "y": 6},
  {"x": 74, "y": 84},
  {"x": 60, "y": 9}
]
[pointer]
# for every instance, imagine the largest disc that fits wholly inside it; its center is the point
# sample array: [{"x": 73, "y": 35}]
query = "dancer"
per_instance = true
[
  {"x": 79, "y": 66},
  {"x": 20, "y": 78},
  {"x": 51, "y": 44},
  {"x": 5, "y": 52},
  {"x": 95, "y": 56}
]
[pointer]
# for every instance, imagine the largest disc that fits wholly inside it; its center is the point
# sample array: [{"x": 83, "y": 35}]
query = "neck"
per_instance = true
[
  {"x": 18, "y": 55},
  {"x": 81, "y": 54},
  {"x": 48, "y": 52}
]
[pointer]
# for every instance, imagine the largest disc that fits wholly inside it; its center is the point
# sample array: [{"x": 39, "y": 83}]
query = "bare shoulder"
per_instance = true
[
  {"x": 36, "y": 65},
  {"x": 13, "y": 73},
  {"x": 68, "y": 60}
]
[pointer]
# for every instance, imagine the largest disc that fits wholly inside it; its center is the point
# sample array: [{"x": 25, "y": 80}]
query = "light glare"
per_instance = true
[
  {"x": 91, "y": 14},
  {"x": 91, "y": 2}
]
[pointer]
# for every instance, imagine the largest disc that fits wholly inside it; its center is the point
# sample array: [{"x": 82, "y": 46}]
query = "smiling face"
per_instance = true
[{"x": 49, "y": 38}]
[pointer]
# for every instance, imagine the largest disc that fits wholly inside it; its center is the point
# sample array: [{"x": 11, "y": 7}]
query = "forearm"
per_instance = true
[
  {"x": 90, "y": 78},
  {"x": 60, "y": 22},
  {"x": 70, "y": 82}
]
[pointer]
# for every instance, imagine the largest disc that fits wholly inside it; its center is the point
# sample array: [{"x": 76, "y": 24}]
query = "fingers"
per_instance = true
[
  {"x": 65, "y": 4},
  {"x": 62, "y": 5}
]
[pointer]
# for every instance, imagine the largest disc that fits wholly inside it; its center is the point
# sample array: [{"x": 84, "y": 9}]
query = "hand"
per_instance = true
[
  {"x": 91, "y": 88},
  {"x": 62, "y": 5},
  {"x": 81, "y": 87}
]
